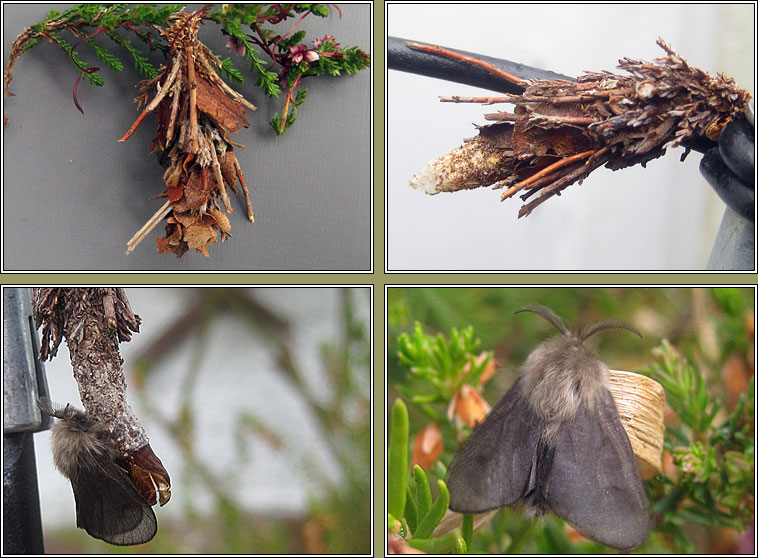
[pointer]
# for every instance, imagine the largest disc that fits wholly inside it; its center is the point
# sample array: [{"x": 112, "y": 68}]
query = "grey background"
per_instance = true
[
  {"x": 664, "y": 217},
  {"x": 73, "y": 195}
]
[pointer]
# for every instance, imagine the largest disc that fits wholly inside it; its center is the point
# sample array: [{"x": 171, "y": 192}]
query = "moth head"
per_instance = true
[
  {"x": 561, "y": 375},
  {"x": 70, "y": 416}
]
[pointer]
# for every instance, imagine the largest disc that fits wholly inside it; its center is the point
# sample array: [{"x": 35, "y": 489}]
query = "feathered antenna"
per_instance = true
[
  {"x": 582, "y": 332},
  {"x": 558, "y": 323}
]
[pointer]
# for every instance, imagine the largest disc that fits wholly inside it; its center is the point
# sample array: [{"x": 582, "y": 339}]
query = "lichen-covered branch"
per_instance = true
[{"x": 93, "y": 322}]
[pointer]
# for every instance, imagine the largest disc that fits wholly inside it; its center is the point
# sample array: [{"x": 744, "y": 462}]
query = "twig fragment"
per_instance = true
[{"x": 151, "y": 223}]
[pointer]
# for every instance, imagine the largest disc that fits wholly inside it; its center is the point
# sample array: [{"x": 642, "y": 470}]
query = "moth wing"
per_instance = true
[
  {"x": 593, "y": 482},
  {"x": 109, "y": 507},
  {"x": 492, "y": 468}
]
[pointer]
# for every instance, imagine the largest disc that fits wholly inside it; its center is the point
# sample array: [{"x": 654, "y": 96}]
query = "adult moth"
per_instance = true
[
  {"x": 555, "y": 442},
  {"x": 108, "y": 506}
]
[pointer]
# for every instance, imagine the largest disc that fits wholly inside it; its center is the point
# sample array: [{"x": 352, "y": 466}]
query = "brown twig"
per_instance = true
[
  {"x": 545, "y": 172},
  {"x": 220, "y": 180},
  {"x": 248, "y": 201},
  {"x": 192, "y": 99},
  {"x": 151, "y": 223},
  {"x": 479, "y": 100},
  {"x": 162, "y": 92}
]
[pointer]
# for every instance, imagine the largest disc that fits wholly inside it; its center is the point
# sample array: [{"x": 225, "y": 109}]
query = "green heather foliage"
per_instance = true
[{"x": 277, "y": 62}]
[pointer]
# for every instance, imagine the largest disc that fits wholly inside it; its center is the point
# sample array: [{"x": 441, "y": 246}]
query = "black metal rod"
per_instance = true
[{"x": 22, "y": 522}]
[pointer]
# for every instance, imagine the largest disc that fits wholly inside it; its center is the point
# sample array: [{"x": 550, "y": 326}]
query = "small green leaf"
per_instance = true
[
  {"x": 397, "y": 459},
  {"x": 319, "y": 10},
  {"x": 292, "y": 40},
  {"x": 112, "y": 62},
  {"x": 411, "y": 510},
  {"x": 423, "y": 492},
  {"x": 232, "y": 73},
  {"x": 300, "y": 97},
  {"x": 432, "y": 519}
]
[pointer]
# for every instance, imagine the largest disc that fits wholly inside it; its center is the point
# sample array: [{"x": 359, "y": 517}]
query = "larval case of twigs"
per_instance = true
[
  {"x": 560, "y": 131},
  {"x": 196, "y": 110}
]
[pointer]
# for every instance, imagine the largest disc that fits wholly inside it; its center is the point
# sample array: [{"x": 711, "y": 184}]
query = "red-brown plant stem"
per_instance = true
[
  {"x": 493, "y": 70},
  {"x": 287, "y": 102},
  {"x": 134, "y": 126},
  {"x": 170, "y": 79},
  {"x": 82, "y": 71},
  {"x": 479, "y": 100},
  {"x": 544, "y": 172},
  {"x": 291, "y": 29},
  {"x": 562, "y": 183}
]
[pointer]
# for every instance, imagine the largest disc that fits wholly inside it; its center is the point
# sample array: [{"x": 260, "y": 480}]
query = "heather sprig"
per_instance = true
[{"x": 279, "y": 61}]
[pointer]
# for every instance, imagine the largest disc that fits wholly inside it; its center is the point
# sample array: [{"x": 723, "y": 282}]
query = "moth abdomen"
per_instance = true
[{"x": 535, "y": 499}]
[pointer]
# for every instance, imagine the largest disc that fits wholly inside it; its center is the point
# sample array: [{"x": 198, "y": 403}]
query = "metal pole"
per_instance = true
[{"x": 23, "y": 382}]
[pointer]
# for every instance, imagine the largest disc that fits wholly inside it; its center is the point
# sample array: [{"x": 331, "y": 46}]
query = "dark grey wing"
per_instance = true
[
  {"x": 109, "y": 507},
  {"x": 593, "y": 482},
  {"x": 492, "y": 468}
]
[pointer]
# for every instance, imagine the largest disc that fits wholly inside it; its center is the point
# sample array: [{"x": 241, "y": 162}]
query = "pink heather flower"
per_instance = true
[
  {"x": 317, "y": 42},
  {"x": 235, "y": 46},
  {"x": 298, "y": 53}
]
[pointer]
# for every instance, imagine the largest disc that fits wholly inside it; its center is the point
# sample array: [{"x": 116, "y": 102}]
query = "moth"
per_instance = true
[
  {"x": 108, "y": 506},
  {"x": 555, "y": 443}
]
